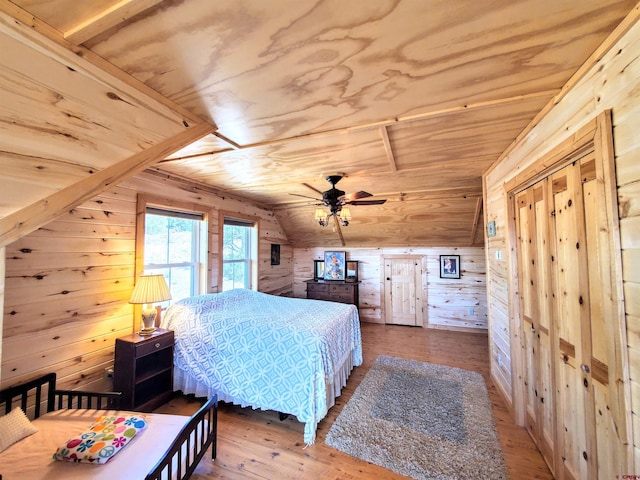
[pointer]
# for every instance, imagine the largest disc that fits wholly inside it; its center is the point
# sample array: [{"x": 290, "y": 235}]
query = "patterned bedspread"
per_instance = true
[{"x": 275, "y": 353}]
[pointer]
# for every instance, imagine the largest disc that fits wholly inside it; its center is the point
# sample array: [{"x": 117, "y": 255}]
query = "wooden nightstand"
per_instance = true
[{"x": 143, "y": 370}]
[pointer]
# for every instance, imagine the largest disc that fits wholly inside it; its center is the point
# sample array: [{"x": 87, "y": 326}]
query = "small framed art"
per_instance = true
[
  {"x": 318, "y": 269},
  {"x": 449, "y": 266},
  {"x": 334, "y": 265},
  {"x": 275, "y": 254},
  {"x": 352, "y": 271}
]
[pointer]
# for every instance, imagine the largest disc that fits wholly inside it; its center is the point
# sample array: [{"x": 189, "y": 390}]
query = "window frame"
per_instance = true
[
  {"x": 197, "y": 261},
  {"x": 255, "y": 240},
  {"x": 145, "y": 201}
]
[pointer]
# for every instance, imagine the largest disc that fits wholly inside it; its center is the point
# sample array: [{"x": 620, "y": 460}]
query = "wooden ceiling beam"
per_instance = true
[
  {"x": 32, "y": 217},
  {"x": 476, "y": 221},
  {"x": 107, "y": 19},
  {"x": 384, "y": 133},
  {"x": 234, "y": 145},
  {"x": 382, "y": 123}
]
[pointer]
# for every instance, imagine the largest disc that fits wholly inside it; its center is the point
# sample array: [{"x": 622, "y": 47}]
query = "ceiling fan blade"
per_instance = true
[
  {"x": 368, "y": 202},
  {"x": 305, "y": 196},
  {"x": 355, "y": 196}
]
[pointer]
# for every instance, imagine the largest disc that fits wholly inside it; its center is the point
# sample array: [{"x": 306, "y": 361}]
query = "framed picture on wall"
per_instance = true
[
  {"x": 449, "y": 266},
  {"x": 334, "y": 265},
  {"x": 318, "y": 269},
  {"x": 275, "y": 254},
  {"x": 352, "y": 271}
]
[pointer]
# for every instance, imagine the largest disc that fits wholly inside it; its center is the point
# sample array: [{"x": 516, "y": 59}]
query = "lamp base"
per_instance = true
[{"x": 148, "y": 321}]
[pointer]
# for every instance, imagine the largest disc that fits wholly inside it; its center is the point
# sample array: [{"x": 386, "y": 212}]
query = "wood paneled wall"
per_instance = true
[
  {"x": 449, "y": 301},
  {"x": 613, "y": 82},
  {"x": 68, "y": 283},
  {"x": 2, "y": 283}
]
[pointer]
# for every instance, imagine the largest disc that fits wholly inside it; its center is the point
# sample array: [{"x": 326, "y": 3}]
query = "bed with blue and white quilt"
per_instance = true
[{"x": 290, "y": 355}]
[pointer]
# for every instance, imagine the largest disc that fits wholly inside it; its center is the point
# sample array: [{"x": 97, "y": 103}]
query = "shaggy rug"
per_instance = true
[{"x": 421, "y": 420}]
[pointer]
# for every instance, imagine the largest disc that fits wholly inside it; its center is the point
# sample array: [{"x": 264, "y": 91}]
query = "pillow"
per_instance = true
[
  {"x": 14, "y": 426},
  {"x": 102, "y": 440}
]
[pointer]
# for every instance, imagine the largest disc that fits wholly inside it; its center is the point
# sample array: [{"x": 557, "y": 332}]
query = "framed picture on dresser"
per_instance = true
[
  {"x": 318, "y": 269},
  {"x": 334, "y": 265},
  {"x": 352, "y": 271}
]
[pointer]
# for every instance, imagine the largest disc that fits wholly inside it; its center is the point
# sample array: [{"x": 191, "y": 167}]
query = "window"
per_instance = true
[
  {"x": 175, "y": 246},
  {"x": 239, "y": 250}
]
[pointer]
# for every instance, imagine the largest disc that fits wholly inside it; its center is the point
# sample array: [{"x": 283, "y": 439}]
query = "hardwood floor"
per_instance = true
[{"x": 254, "y": 444}]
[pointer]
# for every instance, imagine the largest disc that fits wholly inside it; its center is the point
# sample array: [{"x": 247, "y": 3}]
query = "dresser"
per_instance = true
[{"x": 333, "y": 291}]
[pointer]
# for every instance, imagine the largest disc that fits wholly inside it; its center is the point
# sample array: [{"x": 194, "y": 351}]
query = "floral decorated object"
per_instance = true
[{"x": 106, "y": 437}]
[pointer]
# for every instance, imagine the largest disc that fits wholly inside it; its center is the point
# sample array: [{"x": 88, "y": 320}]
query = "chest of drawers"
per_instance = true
[{"x": 333, "y": 291}]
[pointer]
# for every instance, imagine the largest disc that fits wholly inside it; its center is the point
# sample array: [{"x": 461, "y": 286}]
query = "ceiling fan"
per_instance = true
[{"x": 336, "y": 200}]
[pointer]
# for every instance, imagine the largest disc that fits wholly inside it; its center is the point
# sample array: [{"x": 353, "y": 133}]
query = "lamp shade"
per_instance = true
[
  {"x": 150, "y": 289},
  {"x": 345, "y": 213}
]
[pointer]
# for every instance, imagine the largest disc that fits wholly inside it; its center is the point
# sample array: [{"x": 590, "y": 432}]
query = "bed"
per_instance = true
[
  {"x": 169, "y": 448},
  {"x": 276, "y": 353}
]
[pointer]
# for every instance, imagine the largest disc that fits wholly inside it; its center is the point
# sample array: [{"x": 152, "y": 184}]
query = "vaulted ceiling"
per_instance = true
[{"x": 412, "y": 100}]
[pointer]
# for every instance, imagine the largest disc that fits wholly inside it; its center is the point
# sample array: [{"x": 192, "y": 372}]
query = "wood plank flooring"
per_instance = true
[{"x": 254, "y": 444}]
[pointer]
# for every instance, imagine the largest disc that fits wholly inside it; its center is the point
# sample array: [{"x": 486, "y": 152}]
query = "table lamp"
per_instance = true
[{"x": 149, "y": 289}]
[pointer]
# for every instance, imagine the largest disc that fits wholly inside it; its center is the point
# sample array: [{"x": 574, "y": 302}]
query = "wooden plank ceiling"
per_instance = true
[{"x": 411, "y": 99}]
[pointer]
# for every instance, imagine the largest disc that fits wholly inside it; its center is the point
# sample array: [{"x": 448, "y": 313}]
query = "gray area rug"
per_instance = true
[{"x": 421, "y": 420}]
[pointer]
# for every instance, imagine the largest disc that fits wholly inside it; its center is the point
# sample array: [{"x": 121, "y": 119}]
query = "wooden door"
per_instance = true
[
  {"x": 575, "y": 406},
  {"x": 571, "y": 308},
  {"x": 403, "y": 287},
  {"x": 588, "y": 412},
  {"x": 535, "y": 310}
]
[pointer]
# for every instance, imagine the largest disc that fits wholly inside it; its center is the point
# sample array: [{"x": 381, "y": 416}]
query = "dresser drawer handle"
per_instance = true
[{"x": 158, "y": 345}]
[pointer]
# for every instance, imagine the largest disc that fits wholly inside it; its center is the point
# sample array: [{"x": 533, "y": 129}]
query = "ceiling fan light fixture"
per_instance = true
[
  {"x": 321, "y": 217},
  {"x": 345, "y": 216},
  {"x": 337, "y": 202}
]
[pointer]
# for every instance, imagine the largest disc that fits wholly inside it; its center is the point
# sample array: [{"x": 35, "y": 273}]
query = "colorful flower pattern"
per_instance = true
[{"x": 106, "y": 437}]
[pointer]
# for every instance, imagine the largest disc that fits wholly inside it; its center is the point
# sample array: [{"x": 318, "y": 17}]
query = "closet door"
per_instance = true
[
  {"x": 574, "y": 361},
  {"x": 575, "y": 392},
  {"x": 589, "y": 439},
  {"x": 532, "y": 215}
]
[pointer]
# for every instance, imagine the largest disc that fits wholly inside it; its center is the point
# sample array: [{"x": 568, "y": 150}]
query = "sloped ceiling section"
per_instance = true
[
  {"x": 71, "y": 129},
  {"x": 412, "y": 100}
]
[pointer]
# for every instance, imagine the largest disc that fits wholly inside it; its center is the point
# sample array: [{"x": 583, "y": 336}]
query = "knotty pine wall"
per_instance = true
[
  {"x": 448, "y": 300},
  {"x": 2, "y": 281},
  {"x": 612, "y": 83},
  {"x": 67, "y": 284}
]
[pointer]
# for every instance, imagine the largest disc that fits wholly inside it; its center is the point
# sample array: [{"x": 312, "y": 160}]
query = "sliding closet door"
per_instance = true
[
  {"x": 571, "y": 275},
  {"x": 588, "y": 403},
  {"x": 608, "y": 410},
  {"x": 535, "y": 310},
  {"x": 571, "y": 308}
]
